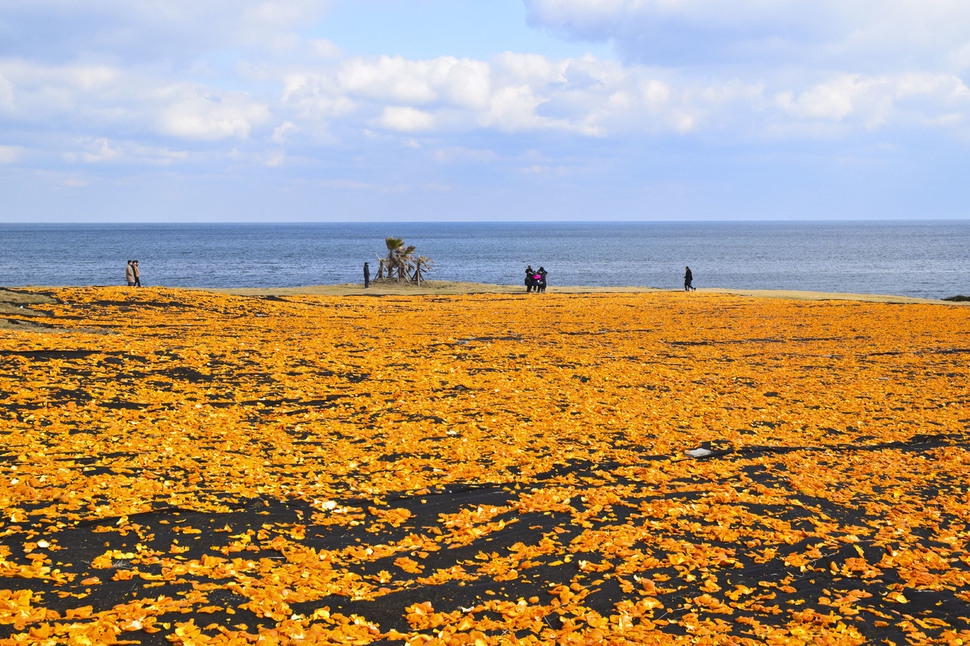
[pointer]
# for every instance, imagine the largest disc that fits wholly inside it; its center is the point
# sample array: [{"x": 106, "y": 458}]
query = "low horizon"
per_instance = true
[{"x": 485, "y": 222}]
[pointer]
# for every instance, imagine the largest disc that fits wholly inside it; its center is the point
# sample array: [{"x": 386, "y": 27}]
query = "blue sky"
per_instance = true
[{"x": 447, "y": 110}]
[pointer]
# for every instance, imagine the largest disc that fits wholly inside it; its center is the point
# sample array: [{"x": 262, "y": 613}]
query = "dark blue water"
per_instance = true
[{"x": 923, "y": 259}]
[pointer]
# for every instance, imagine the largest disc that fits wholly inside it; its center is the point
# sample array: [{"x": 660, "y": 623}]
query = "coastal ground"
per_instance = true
[
  {"x": 453, "y": 288},
  {"x": 472, "y": 464},
  {"x": 17, "y": 302}
]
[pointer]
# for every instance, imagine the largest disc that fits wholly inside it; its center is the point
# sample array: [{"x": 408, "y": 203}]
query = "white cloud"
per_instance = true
[
  {"x": 389, "y": 78},
  {"x": 99, "y": 96},
  {"x": 9, "y": 154},
  {"x": 190, "y": 113},
  {"x": 465, "y": 83},
  {"x": 405, "y": 119},
  {"x": 74, "y": 181},
  {"x": 6, "y": 93},
  {"x": 282, "y": 132},
  {"x": 828, "y": 101},
  {"x": 102, "y": 151},
  {"x": 512, "y": 108},
  {"x": 340, "y": 99},
  {"x": 323, "y": 48},
  {"x": 312, "y": 89},
  {"x": 275, "y": 159},
  {"x": 33, "y": 91},
  {"x": 904, "y": 100},
  {"x": 460, "y": 155},
  {"x": 315, "y": 95},
  {"x": 539, "y": 171},
  {"x": 460, "y": 82},
  {"x": 522, "y": 93}
]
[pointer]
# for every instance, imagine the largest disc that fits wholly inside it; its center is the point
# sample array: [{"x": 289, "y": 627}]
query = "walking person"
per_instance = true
[
  {"x": 366, "y": 275},
  {"x": 688, "y": 280},
  {"x": 130, "y": 274},
  {"x": 134, "y": 264}
]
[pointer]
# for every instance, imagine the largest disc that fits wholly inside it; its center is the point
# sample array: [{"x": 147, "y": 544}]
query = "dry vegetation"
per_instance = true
[{"x": 193, "y": 467}]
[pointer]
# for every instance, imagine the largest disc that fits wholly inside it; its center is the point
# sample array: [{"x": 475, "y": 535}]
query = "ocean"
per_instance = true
[{"x": 916, "y": 258}]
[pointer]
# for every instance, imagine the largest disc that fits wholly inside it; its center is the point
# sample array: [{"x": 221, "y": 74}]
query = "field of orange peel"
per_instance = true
[{"x": 191, "y": 468}]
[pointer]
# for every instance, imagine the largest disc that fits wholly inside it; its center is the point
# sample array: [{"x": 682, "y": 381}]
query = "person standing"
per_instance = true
[
  {"x": 541, "y": 283},
  {"x": 529, "y": 278},
  {"x": 688, "y": 280},
  {"x": 366, "y": 275},
  {"x": 130, "y": 274},
  {"x": 134, "y": 264}
]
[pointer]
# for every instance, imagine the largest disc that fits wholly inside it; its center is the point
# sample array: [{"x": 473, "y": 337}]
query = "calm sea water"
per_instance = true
[{"x": 924, "y": 259}]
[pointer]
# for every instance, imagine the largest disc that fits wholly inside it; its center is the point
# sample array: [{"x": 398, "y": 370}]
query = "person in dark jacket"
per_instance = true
[
  {"x": 688, "y": 280},
  {"x": 541, "y": 283},
  {"x": 530, "y": 281}
]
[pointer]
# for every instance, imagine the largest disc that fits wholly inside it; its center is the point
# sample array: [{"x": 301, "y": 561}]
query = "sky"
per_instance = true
[{"x": 491, "y": 110}]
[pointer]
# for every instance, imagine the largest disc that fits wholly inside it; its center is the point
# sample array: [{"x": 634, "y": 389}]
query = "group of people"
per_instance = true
[
  {"x": 132, "y": 274},
  {"x": 535, "y": 279}
]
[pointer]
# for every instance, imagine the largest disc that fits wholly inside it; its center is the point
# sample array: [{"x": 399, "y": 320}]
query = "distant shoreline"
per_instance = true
[
  {"x": 452, "y": 288},
  {"x": 433, "y": 287}
]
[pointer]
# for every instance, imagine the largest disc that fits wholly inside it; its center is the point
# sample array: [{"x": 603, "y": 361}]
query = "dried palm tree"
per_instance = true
[
  {"x": 400, "y": 264},
  {"x": 421, "y": 265}
]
